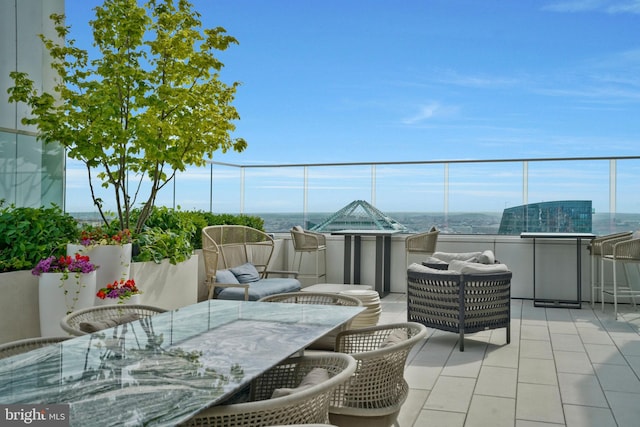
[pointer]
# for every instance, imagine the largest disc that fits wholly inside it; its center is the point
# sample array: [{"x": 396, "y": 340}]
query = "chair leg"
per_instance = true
[
  {"x": 601, "y": 286},
  {"x": 615, "y": 291},
  {"x": 461, "y": 340}
]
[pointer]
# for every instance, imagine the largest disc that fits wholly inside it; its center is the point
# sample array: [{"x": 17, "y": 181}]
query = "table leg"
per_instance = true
[
  {"x": 387, "y": 266},
  {"x": 357, "y": 244},
  {"x": 579, "y": 272},
  {"x": 347, "y": 259},
  {"x": 379, "y": 265}
]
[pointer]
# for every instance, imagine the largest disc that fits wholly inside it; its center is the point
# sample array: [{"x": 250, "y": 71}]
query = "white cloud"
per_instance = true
[
  {"x": 429, "y": 111},
  {"x": 607, "y": 6}
]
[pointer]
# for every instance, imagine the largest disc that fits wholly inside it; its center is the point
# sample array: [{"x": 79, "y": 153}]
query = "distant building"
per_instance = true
[
  {"x": 32, "y": 173},
  {"x": 358, "y": 215},
  {"x": 564, "y": 216}
]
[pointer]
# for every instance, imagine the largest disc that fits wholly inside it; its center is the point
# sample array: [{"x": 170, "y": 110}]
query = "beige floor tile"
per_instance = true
[
  {"x": 585, "y": 416},
  {"x": 617, "y": 378},
  {"x": 604, "y": 354},
  {"x": 411, "y": 408},
  {"x": 535, "y": 349},
  {"x": 577, "y": 389},
  {"x": 496, "y": 381},
  {"x": 506, "y": 357},
  {"x": 573, "y": 362},
  {"x": 464, "y": 363},
  {"x": 625, "y": 408},
  {"x": 428, "y": 418},
  {"x": 422, "y": 377},
  {"x": 491, "y": 411},
  {"x": 537, "y": 371},
  {"x": 451, "y": 394},
  {"x": 537, "y": 402},
  {"x": 566, "y": 342},
  {"x": 534, "y": 332}
]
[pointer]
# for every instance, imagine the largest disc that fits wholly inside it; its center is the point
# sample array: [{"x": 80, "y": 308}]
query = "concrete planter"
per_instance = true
[
  {"x": 59, "y": 296},
  {"x": 114, "y": 262},
  {"x": 19, "y": 306},
  {"x": 165, "y": 285}
]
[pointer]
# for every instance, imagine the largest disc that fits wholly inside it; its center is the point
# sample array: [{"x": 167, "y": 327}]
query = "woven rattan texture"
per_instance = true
[
  {"x": 71, "y": 322},
  {"x": 462, "y": 303},
  {"x": 377, "y": 388},
  {"x": 303, "y": 407}
]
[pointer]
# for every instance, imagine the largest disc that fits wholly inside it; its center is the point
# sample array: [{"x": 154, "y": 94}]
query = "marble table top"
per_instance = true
[{"x": 163, "y": 369}]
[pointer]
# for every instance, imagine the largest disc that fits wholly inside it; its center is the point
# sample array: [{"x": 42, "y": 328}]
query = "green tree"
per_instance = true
[{"x": 149, "y": 105}]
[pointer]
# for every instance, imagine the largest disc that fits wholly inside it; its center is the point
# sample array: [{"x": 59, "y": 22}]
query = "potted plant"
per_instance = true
[
  {"x": 65, "y": 284},
  {"x": 125, "y": 291},
  {"x": 110, "y": 249}
]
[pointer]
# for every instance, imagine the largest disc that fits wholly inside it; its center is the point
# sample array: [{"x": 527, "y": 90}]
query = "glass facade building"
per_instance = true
[
  {"x": 31, "y": 173},
  {"x": 565, "y": 216}
]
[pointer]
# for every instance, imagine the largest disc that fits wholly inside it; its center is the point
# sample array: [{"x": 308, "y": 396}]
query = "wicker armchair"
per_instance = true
[
  {"x": 22, "y": 346},
  {"x": 306, "y": 406},
  {"x": 457, "y": 302},
  {"x": 305, "y": 241},
  {"x": 375, "y": 393},
  {"x": 624, "y": 252},
  {"x": 328, "y": 341},
  {"x": 230, "y": 246},
  {"x": 595, "y": 251},
  {"x": 115, "y": 312},
  {"x": 422, "y": 243}
]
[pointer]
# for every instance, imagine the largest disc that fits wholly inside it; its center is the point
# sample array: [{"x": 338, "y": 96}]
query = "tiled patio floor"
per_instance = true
[{"x": 564, "y": 367}]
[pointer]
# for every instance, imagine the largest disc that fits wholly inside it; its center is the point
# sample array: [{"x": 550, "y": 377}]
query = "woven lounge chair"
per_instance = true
[
  {"x": 106, "y": 316},
  {"x": 459, "y": 302},
  {"x": 305, "y": 406},
  {"x": 22, "y": 346},
  {"x": 374, "y": 394},
  {"x": 227, "y": 248}
]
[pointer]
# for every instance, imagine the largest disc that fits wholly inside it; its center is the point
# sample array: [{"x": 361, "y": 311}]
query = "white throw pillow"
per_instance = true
[
  {"x": 314, "y": 377},
  {"x": 465, "y": 267}
]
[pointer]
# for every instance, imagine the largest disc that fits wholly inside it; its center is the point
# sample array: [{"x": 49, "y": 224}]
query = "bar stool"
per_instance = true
[
  {"x": 597, "y": 262},
  {"x": 305, "y": 241}
]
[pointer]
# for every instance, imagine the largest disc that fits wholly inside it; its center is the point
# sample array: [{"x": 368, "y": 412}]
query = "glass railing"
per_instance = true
[{"x": 457, "y": 196}]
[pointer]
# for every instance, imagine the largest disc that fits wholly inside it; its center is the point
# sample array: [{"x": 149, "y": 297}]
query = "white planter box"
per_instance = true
[
  {"x": 114, "y": 262},
  {"x": 19, "y": 317},
  {"x": 58, "y": 297},
  {"x": 165, "y": 285}
]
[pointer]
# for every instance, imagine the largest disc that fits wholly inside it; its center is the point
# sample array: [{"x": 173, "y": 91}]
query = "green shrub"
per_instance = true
[{"x": 29, "y": 234}]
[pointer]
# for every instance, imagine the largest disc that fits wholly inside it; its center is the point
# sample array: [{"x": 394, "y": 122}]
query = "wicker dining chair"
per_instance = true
[
  {"x": 22, "y": 346},
  {"x": 328, "y": 341},
  {"x": 421, "y": 243},
  {"x": 374, "y": 394},
  {"x": 306, "y": 405},
  {"x": 85, "y": 321},
  {"x": 309, "y": 242}
]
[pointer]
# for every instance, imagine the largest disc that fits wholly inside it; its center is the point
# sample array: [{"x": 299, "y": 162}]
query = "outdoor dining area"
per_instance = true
[{"x": 456, "y": 349}]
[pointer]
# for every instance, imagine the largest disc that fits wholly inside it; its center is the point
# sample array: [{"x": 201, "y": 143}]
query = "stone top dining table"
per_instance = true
[{"x": 162, "y": 370}]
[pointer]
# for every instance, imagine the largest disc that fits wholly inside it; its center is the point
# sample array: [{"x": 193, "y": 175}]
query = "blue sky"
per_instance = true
[{"x": 373, "y": 80}]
